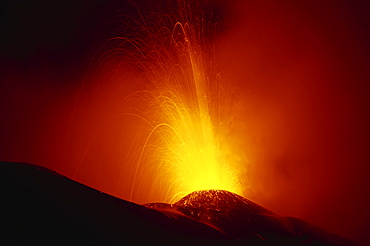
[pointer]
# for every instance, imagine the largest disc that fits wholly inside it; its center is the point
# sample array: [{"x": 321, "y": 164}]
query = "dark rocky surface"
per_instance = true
[
  {"x": 39, "y": 206},
  {"x": 246, "y": 222}
]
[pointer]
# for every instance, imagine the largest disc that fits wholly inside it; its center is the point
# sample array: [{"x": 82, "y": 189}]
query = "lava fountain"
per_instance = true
[
  {"x": 177, "y": 115},
  {"x": 157, "y": 115}
]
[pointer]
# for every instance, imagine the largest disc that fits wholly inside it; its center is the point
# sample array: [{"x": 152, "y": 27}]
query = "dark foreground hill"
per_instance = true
[{"x": 39, "y": 206}]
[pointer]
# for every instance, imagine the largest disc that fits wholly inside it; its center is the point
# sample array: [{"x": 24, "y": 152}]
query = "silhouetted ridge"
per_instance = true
[{"x": 42, "y": 207}]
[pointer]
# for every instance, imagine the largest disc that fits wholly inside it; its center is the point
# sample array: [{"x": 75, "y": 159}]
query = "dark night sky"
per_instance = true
[{"x": 46, "y": 48}]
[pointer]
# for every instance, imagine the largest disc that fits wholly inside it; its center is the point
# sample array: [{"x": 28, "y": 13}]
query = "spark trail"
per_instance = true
[{"x": 183, "y": 102}]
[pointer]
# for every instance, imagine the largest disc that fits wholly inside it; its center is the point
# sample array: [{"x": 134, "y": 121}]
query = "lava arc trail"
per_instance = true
[
  {"x": 178, "y": 113},
  {"x": 152, "y": 100}
]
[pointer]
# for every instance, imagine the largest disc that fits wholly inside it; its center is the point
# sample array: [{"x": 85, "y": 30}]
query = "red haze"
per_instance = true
[
  {"x": 301, "y": 71},
  {"x": 303, "y": 68}
]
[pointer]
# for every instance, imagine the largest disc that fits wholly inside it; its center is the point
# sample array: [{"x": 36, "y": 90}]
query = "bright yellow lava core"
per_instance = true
[
  {"x": 179, "y": 132},
  {"x": 186, "y": 106}
]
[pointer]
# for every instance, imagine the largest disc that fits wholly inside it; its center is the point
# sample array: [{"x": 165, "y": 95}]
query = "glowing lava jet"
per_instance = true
[{"x": 184, "y": 105}]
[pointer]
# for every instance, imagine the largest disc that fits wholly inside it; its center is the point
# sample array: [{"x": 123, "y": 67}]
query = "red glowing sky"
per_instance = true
[{"x": 302, "y": 73}]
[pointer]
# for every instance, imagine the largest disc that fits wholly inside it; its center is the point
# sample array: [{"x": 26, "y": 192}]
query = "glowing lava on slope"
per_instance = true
[
  {"x": 297, "y": 140},
  {"x": 246, "y": 222}
]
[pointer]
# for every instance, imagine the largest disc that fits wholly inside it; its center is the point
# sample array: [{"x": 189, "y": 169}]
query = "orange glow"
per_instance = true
[
  {"x": 184, "y": 132},
  {"x": 272, "y": 95},
  {"x": 183, "y": 107}
]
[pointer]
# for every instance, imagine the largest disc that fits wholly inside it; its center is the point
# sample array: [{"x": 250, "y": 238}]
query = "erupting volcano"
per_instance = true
[
  {"x": 174, "y": 106},
  {"x": 44, "y": 207},
  {"x": 175, "y": 119}
]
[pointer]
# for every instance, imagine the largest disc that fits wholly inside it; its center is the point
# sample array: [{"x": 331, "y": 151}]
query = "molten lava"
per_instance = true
[
  {"x": 268, "y": 99},
  {"x": 179, "y": 111},
  {"x": 246, "y": 222},
  {"x": 227, "y": 212}
]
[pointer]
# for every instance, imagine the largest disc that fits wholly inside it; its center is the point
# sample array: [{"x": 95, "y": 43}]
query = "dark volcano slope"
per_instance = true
[
  {"x": 248, "y": 223},
  {"x": 39, "y": 206}
]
